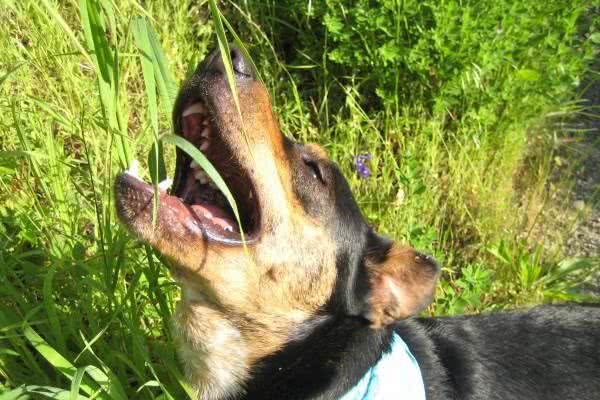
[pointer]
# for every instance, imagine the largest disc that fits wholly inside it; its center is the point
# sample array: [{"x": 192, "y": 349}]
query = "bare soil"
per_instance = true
[{"x": 585, "y": 239}]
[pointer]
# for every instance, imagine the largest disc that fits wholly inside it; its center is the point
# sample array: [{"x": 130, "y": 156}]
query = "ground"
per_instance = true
[{"x": 585, "y": 240}]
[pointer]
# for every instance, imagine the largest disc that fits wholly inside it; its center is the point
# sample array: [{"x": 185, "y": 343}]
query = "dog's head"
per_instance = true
[{"x": 309, "y": 251}]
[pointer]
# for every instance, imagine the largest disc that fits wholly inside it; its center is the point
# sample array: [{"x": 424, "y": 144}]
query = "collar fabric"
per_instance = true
[{"x": 396, "y": 376}]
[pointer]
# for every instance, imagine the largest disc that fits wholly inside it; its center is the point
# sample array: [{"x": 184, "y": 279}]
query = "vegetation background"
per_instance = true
[{"x": 462, "y": 105}]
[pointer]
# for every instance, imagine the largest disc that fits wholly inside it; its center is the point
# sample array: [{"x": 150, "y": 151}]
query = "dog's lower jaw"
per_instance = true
[{"x": 212, "y": 350}]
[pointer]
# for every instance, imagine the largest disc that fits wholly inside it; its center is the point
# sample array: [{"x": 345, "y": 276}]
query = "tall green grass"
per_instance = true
[{"x": 449, "y": 100}]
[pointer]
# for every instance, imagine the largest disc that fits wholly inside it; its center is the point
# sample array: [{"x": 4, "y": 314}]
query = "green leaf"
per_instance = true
[
  {"x": 166, "y": 84},
  {"x": 67, "y": 29},
  {"x": 333, "y": 24},
  {"x": 529, "y": 75},
  {"x": 76, "y": 383},
  {"x": 19, "y": 393},
  {"x": 225, "y": 55},
  {"x": 156, "y": 159},
  {"x": 157, "y": 169},
  {"x": 59, "y": 362},
  {"x": 242, "y": 47},
  {"x": 142, "y": 41}
]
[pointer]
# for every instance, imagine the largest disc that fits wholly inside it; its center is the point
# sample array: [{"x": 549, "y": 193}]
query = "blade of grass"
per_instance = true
[
  {"x": 226, "y": 56},
  {"x": 76, "y": 383},
  {"x": 50, "y": 307},
  {"x": 142, "y": 41},
  {"x": 242, "y": 47},
  {"x": 52, "y": 393},
  {"x": 59, "y": 19},
  {"x": 210, "y": 170},
  {"x": 11, "y": 70},
  {"x": 19, "y": 393},
  {"x": 105, "y": 62},
  {"x": 58, "y": 361},
  {"x": 166, "y": 84}
]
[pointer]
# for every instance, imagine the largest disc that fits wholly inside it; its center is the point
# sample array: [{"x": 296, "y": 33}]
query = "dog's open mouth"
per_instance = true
[
  {"x": 197, "y": 190},
  {"x": 194, "y": 201}
]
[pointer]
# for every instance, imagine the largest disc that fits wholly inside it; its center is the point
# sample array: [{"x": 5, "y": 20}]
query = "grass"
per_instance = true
[{"x": 453, "y": 107}]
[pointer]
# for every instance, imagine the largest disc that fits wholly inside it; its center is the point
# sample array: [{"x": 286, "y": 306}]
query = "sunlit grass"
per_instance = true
[{"x": 86, "y": 88}]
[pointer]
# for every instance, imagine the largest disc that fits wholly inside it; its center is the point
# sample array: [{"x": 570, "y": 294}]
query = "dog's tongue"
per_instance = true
[{"x": 215, "y": 215}]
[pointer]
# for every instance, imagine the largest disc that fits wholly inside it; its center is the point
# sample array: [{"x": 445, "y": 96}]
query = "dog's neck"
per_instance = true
[
  {"x": 219, "y": 348},
  {"x": 223, "y": 360},
  {"x": 324, "y": 364},
  {"x": 212, "y": 350}
]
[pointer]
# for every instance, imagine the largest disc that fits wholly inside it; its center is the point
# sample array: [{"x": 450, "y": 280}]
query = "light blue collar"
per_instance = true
[{"x": 396, "y": 376}]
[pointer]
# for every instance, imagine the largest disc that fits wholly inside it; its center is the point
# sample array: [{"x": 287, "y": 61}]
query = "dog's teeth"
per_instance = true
[
  {"x": 134, "y": 169},
  {"x": 250, "y": 195},
  {"x": 205, "y": 121},
  {"x": 204, "y": 146},
  {"x": 201, "y": 176},
  {"x": 195, "y": 108},
  {"x": 165, "y": 185},
  {"x": 193, "y": 164},
  {"x": 205, "y": 132}
]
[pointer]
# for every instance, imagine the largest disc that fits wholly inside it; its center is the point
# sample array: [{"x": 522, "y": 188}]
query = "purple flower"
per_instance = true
[{"x": 360, "y": 163}]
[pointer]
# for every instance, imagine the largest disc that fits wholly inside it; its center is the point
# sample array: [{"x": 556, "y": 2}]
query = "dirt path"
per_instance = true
[{"x": 585, "y": 240}]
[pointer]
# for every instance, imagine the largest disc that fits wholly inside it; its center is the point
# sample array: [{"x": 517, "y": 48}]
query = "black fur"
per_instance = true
[
  {"x": 549, "y": 352},
  {"x": 323, "y": 365}
]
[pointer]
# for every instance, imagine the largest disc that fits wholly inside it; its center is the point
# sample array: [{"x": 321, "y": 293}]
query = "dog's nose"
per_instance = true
[
  {"x": 241, "y": 66},
  {"x": 426, "y": 261}
]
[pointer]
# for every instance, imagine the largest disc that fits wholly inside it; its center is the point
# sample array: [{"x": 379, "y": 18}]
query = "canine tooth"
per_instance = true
[
  {"x": 205, "y": 132},
  {"x": 201, "y": 176},
  {"x": 250, "y": 196},
  {"x": 196, "y": 108},
  {"x": 193, "y": 164},
  {"x": 204, "y": 146},
  {"x": 165, "y": 185}
]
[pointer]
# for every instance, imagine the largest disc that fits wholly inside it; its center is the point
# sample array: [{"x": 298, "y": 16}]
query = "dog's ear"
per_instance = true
[{"x": 402, "y": 282}]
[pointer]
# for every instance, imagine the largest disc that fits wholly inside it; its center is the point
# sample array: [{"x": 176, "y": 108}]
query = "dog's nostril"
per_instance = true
[
  {"x": 426, "y": 259},
  {"x": 239, "y": 62},
  {"x": 241, "y": 66}
]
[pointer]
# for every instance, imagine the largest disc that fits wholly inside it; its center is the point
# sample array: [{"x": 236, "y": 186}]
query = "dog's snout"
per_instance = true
[{"x": 241, "y": 66}]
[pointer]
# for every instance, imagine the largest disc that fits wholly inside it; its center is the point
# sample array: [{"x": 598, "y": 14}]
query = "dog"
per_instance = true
[{"x": 307, "y": 301}]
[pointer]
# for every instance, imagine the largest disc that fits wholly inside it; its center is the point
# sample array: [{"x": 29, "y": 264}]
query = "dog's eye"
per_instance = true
[{"x": 315, "y": 169}]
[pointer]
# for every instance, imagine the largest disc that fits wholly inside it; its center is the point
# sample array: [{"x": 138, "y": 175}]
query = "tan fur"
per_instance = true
[
  {"x": 317, "y": 151},
  {"x": 240, "y": 305}
]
